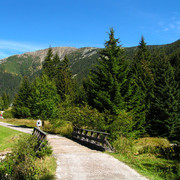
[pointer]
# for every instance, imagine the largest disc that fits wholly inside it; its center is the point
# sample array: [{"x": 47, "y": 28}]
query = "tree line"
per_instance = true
[
  {"x": 4, "y": 101},
  {"x": 138, "y": 95}
]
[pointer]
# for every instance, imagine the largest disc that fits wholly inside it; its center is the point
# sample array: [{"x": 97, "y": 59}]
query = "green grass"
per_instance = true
[
  {"x": 25, "y": 163},
  {"x": 64, "y": 129},
  {"x": 144, "y": 156},
  {"x": 49, "y": 163},
  {"x": 154, "y": 158},
  {"x": 21, "y": 122},
  {"x": 152, "y": 167},
  {"x": 8, "y": 137}
]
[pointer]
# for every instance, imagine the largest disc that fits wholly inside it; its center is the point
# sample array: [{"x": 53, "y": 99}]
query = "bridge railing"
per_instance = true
[
  {"x": 40, "y": 136},
  {"x": 94, "y": 139}
]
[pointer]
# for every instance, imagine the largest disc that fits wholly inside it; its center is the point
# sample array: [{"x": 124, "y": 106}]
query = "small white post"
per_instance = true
[{"x": 39, "y": 124}]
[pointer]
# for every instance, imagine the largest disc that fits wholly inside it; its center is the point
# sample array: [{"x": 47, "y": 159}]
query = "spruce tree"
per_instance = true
[
  {"x": 64, "y": 81},
  {"x": 6, "y": 101},
  {"x": 175, "y": 62},
  {"x": 21, "y": 104},
  {"x": 105, "y": 84},
  {"x": 44, "y": 98},
  {"x": 143, "y": 77},
  {"x": 56, "y": 62},
  {"x": 48, "y": 64},
  {"x": 135, "y": 104},
  {"x": 1, "y": 103},
  {"x": 165, "y": 107}
]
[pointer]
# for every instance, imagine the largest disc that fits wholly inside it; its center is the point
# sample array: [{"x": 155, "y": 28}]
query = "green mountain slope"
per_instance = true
[{"x": 14, "y": 68}]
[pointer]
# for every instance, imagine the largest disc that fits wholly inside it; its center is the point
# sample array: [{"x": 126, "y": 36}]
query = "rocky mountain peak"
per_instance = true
[{"x": 62, "y": 51}]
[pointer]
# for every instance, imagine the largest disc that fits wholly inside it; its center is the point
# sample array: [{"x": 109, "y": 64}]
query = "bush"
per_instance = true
[
  {"x": 171, "y": 152},
  {"x": 21, "y": 112},
  {"x": 8, "y": 114},
  {"x": 120, "y": 125},
  {"x": 58, "y": 126},
  {"x": 152, "y": 145},
  {"x": 21, "y": 163},
  {"x": 123, "y": 145},
  {"x": 84, "y": 117}
]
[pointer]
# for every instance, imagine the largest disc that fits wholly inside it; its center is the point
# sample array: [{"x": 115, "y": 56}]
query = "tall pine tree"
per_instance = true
[
  {"x": 165, "y": 107},
  {"x": 56, "y": 63},
  {"x": 143, "y": 78},
  {"x": 21, "y": 104},
  {"x": 105, "y": 84},
  {"x": 64, "y": 80},
  {"x": 44, "y": 98},
  {"x": 135, "y": 104},
  {"x": 48, "y": 67},
  {"x": 6, "y": 101},
  {"x": 1, "y": 104}
]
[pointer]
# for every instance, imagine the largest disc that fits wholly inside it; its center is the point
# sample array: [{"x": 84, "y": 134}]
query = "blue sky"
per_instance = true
[{"x": 29, "y": 25}]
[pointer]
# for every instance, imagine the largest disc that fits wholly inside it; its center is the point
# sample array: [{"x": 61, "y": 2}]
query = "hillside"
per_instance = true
[{"x": 14, "y": 68}]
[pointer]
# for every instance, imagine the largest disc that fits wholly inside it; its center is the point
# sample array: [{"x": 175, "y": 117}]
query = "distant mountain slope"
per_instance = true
[
  {"x": 28, "y": 63},
  {"x": 81, "y": 61},
  {"x": 14, "y": 68}
]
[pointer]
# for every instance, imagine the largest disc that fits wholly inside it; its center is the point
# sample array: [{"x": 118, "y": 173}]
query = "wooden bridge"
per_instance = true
[
  {"x": 75, "y": 161},
  {"x": 93, "y": 139}
]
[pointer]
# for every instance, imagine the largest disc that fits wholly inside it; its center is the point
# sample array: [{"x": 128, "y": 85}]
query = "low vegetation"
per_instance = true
[
  {"x": 135, "y": 99},
  {"x": 27, "y": 162},
  {"x": 63, "y": 127},
  {"x": 7, "y": 138},
  {"x": 154, "y": 158}
]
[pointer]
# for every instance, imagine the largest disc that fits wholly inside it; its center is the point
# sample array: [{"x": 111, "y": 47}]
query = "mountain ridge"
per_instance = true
[
  {"x": 42, "y": 52},
  {"x": 14, "y": 68}
]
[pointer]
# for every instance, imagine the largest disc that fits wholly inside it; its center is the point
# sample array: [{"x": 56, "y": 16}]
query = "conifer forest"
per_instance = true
[{"x": 127, "y": 94}]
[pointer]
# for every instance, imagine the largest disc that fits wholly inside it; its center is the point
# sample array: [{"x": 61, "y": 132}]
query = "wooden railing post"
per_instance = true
[
  {"x": 39, "y": 135},
  {"x": 95, "y": 139}
]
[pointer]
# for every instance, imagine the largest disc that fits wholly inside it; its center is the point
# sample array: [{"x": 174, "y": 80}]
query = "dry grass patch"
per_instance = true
[
  {"x": 8, "y": 137},
  {"x": 21, "y": 122},
  {"x": 63, "y": 128},
  {"x": 153, "y": 145}
]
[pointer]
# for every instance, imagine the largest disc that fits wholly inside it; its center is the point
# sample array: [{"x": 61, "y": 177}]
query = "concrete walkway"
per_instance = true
[{"x": 76, "y": 162}]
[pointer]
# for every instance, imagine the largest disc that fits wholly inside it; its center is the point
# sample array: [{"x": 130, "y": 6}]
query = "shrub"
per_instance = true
[
  {"x": 8, "y": 114},
  {"x": 171, "y": 152},
  {"x": 64, "y": 128},
  {"x": 59, "y": 126},
  {"x": 121, "y": 125},
  {"x": 152, "y": 145},
  {"x": 84, "y": 117},
  {"x": 21, "y": 112},
  {"x": 21, "y": 163},
  {"x": 123, "y": 145}
]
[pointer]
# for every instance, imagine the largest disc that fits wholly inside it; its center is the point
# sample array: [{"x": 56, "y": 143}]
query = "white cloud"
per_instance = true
[
  {"x": 18, "y": 46},
  {"x": 3, "y": 54},
  {"x": 173, "y": 24},
  {"x": 8, "y": 48},
  {"x": 166, "y": 29}
]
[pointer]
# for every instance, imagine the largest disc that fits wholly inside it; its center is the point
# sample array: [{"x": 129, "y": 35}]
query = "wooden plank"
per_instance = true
[
  {"x": 92, "y": 131},
  {"x": 39, "y": 135},
  {"x": 92, "y": 138}
]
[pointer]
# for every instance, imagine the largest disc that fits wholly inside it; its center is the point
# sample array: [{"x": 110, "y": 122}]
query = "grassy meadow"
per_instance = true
[
  {"x": 8, "y": 137},
  {"x": 154, "y": 158},
  {"x": 65, "y": 129}
]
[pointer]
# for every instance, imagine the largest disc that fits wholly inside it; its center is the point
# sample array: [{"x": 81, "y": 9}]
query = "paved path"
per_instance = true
[{"x": 76, "y": 162}]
